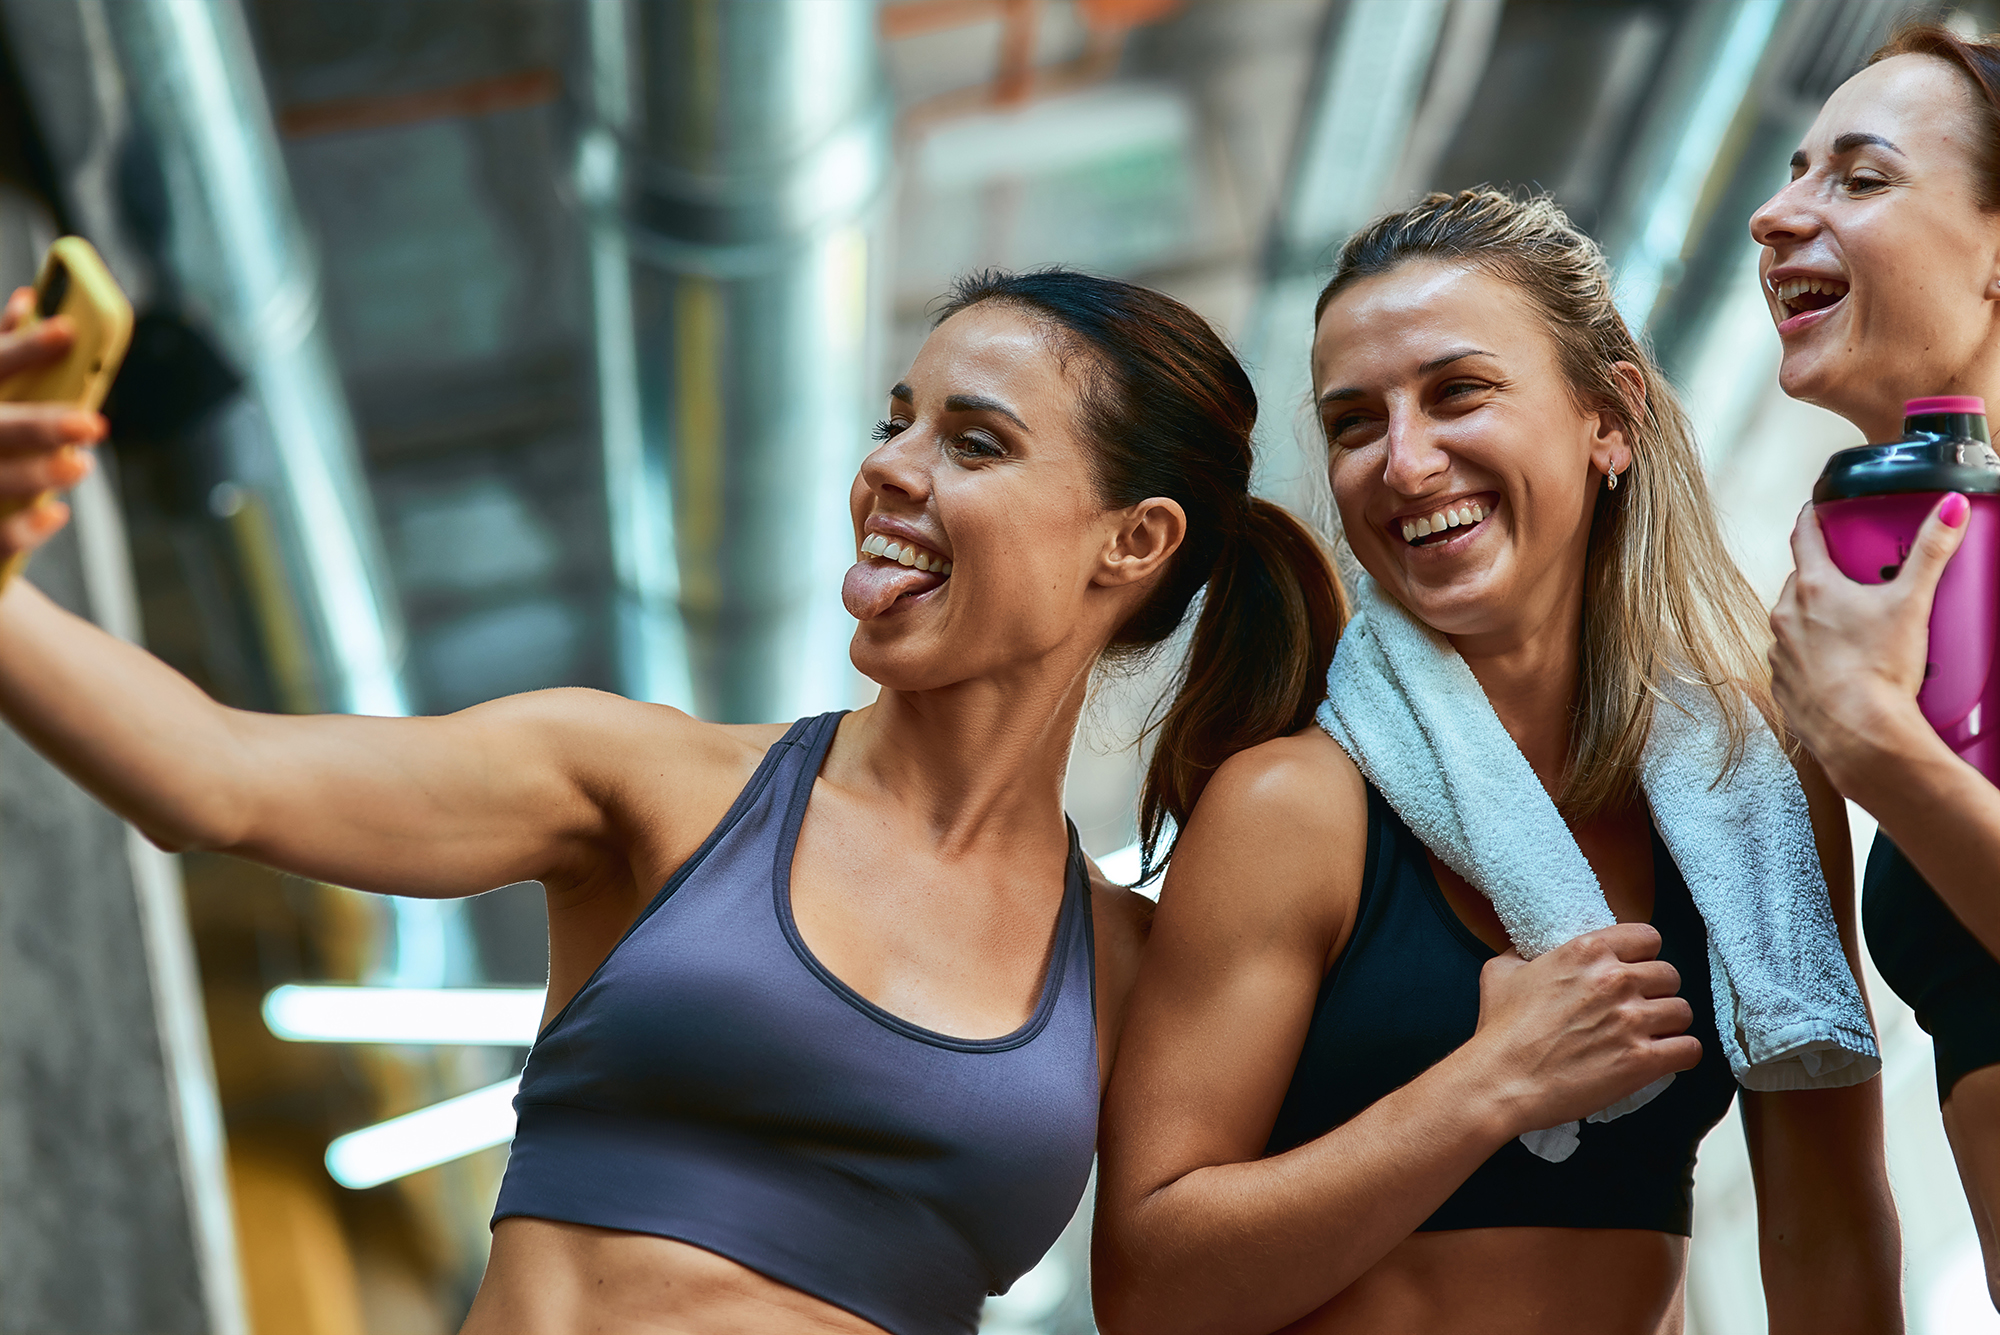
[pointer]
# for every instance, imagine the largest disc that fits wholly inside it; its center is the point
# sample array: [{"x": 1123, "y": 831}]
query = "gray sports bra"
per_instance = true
[{"x": 715, "y": 1084}]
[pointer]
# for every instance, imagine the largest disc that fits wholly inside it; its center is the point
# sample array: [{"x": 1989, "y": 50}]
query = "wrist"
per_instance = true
[
  {"x": 1882, "y": 736},
  {"x": 1486, "y": 1090}
]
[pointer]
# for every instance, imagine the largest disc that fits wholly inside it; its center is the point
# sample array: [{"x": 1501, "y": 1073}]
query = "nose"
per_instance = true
[
  {"x": 1413, "y": 456},
  {"x": 1786, "y": 218},
  {"x": 898, "y": 468}
]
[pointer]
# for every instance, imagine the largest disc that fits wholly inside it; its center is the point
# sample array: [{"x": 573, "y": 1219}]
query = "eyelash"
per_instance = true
[
  {"x": 1450, "y": 389},
  {"x": 964, "y": 444}
]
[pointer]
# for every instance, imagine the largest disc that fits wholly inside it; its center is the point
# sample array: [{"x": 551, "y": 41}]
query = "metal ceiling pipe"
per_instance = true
[
  {"x": 241, "y": 253},
  {"x": 177, "y": 109},
  {"x": 747, "y": 148},
  {"x": 1347, "y": 156}
]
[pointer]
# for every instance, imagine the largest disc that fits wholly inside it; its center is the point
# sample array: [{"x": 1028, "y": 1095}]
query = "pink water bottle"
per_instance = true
[{"x": 1872, "y": 499}]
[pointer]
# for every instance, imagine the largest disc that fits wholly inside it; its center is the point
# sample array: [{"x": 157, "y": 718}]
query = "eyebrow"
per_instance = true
[
  {"x": 1850, "y": 141},
  {"x": 977, "y": 403},
  {"x": 964, "y": 403},
  {"x": 1434, "y": 364}
]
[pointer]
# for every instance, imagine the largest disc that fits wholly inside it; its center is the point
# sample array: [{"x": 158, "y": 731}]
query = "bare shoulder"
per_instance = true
[
  {"x": 1280, "y": 833},
  {"x": 1305, "y": 776},
  {"x": 608, "y": 736},
  {"x": 660, "y": 777}
]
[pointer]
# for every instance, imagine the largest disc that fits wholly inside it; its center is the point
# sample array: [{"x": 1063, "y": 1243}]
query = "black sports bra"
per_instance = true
[{"x": 1405, "y": 992}]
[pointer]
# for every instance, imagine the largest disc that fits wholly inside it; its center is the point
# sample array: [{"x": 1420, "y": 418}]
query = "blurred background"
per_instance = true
[{"x": 487, "y": 346}]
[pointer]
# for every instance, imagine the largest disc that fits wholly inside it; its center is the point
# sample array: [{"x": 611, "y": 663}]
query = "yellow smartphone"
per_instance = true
[{"x": 74, "y": 282}]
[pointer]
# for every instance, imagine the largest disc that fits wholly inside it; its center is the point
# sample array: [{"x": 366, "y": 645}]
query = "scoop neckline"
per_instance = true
[{"x": 781, "y": 893}]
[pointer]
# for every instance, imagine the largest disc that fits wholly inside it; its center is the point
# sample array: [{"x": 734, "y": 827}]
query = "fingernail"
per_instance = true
[{"x": 1954, "y": 510}]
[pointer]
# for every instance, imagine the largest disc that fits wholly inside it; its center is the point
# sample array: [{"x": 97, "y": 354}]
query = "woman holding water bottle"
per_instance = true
[{"x": 1881, "y": 266}]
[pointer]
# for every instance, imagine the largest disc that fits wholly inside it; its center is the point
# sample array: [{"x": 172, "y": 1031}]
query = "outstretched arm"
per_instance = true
[
  {"x": 1831, "y": 1246},
  {"x": 524, "y": 788},
  {"x": 1846, "y": 665},
  {"x": 1196, "y": 1231},
  {"x": 552, "y": 786}
]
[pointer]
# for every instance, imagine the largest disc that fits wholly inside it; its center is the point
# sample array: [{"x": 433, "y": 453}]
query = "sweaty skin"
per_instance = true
[
  {"x": 929, "y": 872},
  {"x": 1886, "y": 201},
  {"x": 1439, "y": 387}
]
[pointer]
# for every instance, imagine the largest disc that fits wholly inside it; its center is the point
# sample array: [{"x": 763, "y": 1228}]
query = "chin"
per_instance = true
[
  {"x": 899, "y": 662},
  {"x": 1810, "y": 379},
  {"x": 1462, "y": 607}
]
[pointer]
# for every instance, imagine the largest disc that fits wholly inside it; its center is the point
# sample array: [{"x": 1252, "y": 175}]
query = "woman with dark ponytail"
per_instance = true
[
  {"x": 830, "y": 1003},
  {"x": 1343, "y": 1104},
  {"x": 1170, "y": 412}
]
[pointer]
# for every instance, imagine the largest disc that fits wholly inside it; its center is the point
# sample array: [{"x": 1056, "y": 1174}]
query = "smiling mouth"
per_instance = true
[
  {"x": 902, "y": 551},
  {"x": 1443, "y": 524},
  {"x": 1800, "y": 296}
]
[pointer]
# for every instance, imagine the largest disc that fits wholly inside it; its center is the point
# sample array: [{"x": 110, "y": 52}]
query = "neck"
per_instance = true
[
  {"x": 1529, "y": 672},
  {"x": 979, "y": 763},
  {"x": 1882, "y": 422}
]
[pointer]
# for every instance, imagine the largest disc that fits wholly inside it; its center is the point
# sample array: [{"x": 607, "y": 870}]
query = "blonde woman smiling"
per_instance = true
[{"x": 1339, "y": 1091}]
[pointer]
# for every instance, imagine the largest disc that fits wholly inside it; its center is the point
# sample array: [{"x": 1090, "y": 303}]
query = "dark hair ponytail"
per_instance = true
[
  {"x": 1169, "y": 412},
  {"x": 1256, "y": 668}
]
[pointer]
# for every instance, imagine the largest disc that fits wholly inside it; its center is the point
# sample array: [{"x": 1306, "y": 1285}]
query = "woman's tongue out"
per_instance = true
[{"x": 873, "y": 585}]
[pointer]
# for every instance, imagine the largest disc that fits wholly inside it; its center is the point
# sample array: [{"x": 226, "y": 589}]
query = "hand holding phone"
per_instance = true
[{"x": 59, "y": 352}]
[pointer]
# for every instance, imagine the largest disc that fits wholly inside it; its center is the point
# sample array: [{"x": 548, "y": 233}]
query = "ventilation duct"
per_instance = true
[{"x": 734, "y": 167}]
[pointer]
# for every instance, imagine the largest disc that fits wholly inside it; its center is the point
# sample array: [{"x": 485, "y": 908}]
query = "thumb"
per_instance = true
[
  {"x": 1942, "y": 532},
  {"x": 1809, "y": 552}
]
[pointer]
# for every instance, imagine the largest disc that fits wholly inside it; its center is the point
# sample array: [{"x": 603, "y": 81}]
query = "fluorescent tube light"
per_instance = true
[
  {"x": 506, "y": 1016},
  {"x": 425, "y": 1138}
]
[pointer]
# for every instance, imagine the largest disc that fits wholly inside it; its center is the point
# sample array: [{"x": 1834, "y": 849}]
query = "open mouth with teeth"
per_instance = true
[
  {"x": 903, "y": 552},
  {"x": 1799, "y": 296},
  {"x": 1442, "y": 524},
  {"x": 891, "y": 573}
]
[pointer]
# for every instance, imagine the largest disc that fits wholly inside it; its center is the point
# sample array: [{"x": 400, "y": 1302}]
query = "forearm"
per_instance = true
[
  {"x": 1941, "y": 813},
  {"x": 1829, "y": 1241},
  {"x": 1250, "y": 1247},
  {"x": 138, "y": 735}
]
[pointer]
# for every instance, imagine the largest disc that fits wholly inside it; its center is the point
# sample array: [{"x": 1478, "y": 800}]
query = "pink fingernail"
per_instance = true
[{"x": 1954, "y": 509}]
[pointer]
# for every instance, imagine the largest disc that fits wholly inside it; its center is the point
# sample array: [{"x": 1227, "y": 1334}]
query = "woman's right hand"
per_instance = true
[
  {"x": 43, "y": 446},
  {"x": 1848, "y": 658},
  {"x": 1574, "y": 1031}
]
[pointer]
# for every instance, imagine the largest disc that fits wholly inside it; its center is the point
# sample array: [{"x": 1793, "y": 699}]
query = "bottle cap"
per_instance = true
[
  {"x": 1945, "y": 403},
  {"x": 1944, "y": 448}
]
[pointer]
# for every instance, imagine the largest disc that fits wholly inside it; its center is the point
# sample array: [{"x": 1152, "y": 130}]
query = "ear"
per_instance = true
[
  {"x": 1147, "y": 536},
  {"x": 1611, "y": 443}
]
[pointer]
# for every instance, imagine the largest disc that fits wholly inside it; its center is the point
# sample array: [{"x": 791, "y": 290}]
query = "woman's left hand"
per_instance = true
[{"x": 1849, "y": 657}]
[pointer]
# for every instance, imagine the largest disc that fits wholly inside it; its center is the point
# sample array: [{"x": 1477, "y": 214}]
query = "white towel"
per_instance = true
[{"x": 1405, "y": 706}]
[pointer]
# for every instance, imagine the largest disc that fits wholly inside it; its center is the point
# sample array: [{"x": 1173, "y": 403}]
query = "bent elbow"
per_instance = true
[
  {"x": 179, "y": 838},
  {"x": 1125, "y": 1300},
  {"x": 209, "y": 829}
]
